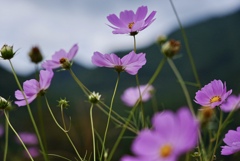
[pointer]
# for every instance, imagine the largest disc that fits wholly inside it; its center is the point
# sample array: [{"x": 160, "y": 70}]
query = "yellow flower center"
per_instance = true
[
  {"x": 215, "y": 99},
  {"x": 130, "y": 25},
  {"x": 165, "y": 151}
]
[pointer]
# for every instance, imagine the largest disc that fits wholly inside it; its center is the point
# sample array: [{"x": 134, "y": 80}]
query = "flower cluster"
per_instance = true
[{"x": 166, "y": 137}]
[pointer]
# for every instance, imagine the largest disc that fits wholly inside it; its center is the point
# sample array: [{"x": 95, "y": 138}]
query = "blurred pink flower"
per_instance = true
[
  {"x": 34, "y": 151},
  {"x": 168, "y": 139},
  {"x": 131, "y": 95},
  {"x": 212, "y": 94},
  {"x": 28, "y": 138},
  {"x": 232, "y": 103},
  {"x": 32, "y": 88},
  {"x": 130, "y": 22},
  {"x": 61, "y": 59},
  {"x": 232, "y": 139},
  {"x": 130, "y": 63}
]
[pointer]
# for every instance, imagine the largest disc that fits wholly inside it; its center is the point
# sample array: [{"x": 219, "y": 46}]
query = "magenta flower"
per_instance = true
[
  {"x": 32, "y": 88},
  {"x": 172, "y": 135},
  {"x": 129, "y": 22},
  {"x": 212, "y": 94},
  {"x": 130, "y": 63},
  {"x": 232, "y": 139},
  {"x": 131, "y": 95},
  {"x": 34, "y": 151},
  {"x": 232, "y": 103},
  {"x": 28, "y": 138},
  {"x": 61, "y": 59}
]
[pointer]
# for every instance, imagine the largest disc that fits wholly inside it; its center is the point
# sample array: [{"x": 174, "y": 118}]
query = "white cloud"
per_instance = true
[{"x": 58, "y": 24}]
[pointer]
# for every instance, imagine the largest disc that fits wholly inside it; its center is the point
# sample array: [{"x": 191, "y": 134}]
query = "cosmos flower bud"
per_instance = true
[
  {"x": 205, "y": 115},
  {"x": 35, "y": 55},
  {"x": 161, "y": 40},
  {"x": 7, "y": 52},
  {"x": 63, "y": 103},
  {"x": 4, "y": 104},
  {"x": 94, "y": 97},
  {"x": 171, "y": 48}
]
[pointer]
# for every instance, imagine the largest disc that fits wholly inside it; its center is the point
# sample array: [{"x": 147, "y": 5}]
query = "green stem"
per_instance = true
[
  {"x": 184, "y": 88},
  {"x": 141, "y": 103},
  {"x": 152, "y": 79},
  {"x": 63, "y": 129},
  {"x": 10, "y": 125},
  {"x": 85, "y": 90},
  {"x": 134, "y": 44},
  {"x": 186, "y": 46},
  {"x": 109, "y": 114},
  {"x": 6, "y": 139},
  {"x": 218, "y": 135},
  {"x": 30, "y": 114},
  {"x": 93, "y": 135}
]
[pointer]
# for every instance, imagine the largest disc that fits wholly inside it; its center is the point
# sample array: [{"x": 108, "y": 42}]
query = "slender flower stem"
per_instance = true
[
  {"x": 40, "y": 113},
  {"x": 110, "y": 114},
  {"x": 134, "y": 44},
  {"x": 93, "y": 134},
  {"x": 6, "y": 139},
  {"x": 85, "y": 90},
  {"x": 181, "y": 81},
  {"x": 15, "y": 132},
  {"x": 152, "y": 79},
  {"x": 218, "y": 135},
  {"x": 187, "y": 46},
  {"x": 30, "y": 114},
  {"x": 63, "y": 129}
]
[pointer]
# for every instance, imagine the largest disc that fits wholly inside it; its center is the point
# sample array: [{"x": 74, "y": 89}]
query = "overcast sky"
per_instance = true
[{"x": 58, "y": 24}]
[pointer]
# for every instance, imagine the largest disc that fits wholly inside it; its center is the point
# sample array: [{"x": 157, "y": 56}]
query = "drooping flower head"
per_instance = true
[
  {"x": 172, "y": 135},
  {"x": 32, "y": 88},
  {"x": 232, "y": 139},
  {"x": 130, "y": 63},
  {"x": 61, "y": 59},
  {"x": 212, "y": 94},
  {"x": 130, "y": 22},
  {"x": 232, "y": 103},
  {"x": 131, "y": 95}
]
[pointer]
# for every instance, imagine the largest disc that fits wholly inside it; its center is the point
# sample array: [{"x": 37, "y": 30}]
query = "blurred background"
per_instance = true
[{"x": 212, "y": 28}]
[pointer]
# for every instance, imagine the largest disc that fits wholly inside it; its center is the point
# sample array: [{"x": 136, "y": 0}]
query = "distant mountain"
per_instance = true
[{"x": 215, "y": 47}]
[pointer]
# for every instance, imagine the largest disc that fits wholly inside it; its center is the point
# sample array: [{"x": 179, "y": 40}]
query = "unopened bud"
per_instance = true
[
  {"x": 94, "y": 97},
  {"x": 171, "y": 48},
  {"x": 205, "y": 115},
  {"x": 63, "y": 103},
  {"x": 35, "y": 55},
  {"x": 7, "y": 52},
  {"x": 4, "y": 104},
  {"x": 161, "y": 40}
]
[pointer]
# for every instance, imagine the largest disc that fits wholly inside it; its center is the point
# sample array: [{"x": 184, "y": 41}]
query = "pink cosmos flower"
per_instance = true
[
  {"x": 34, "y": 151},
  {"x": 232, "y": 139},
  {"x": 32, "y": 88},
  {"x": 130, "y": 63},
  {"x": 131, "y": 95},
  {"x": 28, "y": 138},
  {"x": 61, "y": 59},
  {"x": 232, "y": 103},
  {"x": 172, "y": 135},
  {"x": 130, "y": 22},
  {"x": 212, "y": 94}
]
